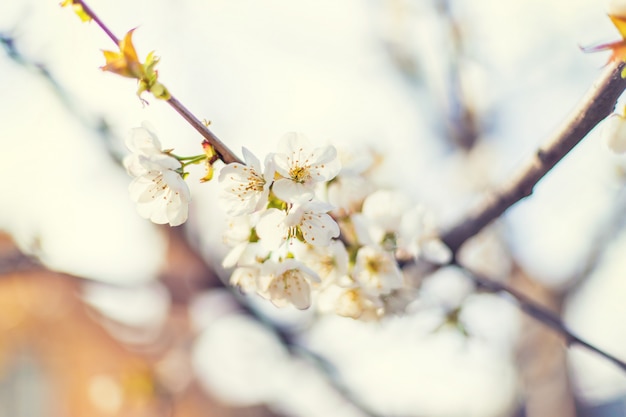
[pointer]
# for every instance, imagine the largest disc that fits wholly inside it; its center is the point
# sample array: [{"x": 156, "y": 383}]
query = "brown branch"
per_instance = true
[
  {"x": 541, "y": 314},
  {"x": 96, "y": 19},
  {"x": 224, "y": 153},
  {"x": 597, "y": 103},
  {"x": 592, "y": 109}
]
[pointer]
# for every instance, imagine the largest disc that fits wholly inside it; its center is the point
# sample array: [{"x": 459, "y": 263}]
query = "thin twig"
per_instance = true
[
  {"x": 463, "y": 127},
  {"x": 224, "y": 153},
  {"x": 94, "y": 122},
  {"x": 541, "y": 314},
  {"x": 592, "y": 109},
  {"x": 99, "y": 22}
]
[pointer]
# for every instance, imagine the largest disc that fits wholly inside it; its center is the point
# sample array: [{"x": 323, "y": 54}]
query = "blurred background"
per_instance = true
[{"x": 104, "y": 314}]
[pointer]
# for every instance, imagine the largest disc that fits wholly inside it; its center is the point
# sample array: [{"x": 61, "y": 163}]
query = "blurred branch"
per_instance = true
[
  {"x": 224, "y": 153},
  {"x": 16, "y": 261},
  {"x": 541, "y": 314},
  {"x": 8, "y": 44},
  {"x": 540, "y": 357},
  {"x": 593, "y": 108},
  {"x": 463, "y": 123},
  {"x": 93, "y": 122}
]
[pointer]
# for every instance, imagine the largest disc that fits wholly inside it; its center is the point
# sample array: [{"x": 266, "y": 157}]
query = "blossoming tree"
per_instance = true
[{"x": 309, "y": 226}]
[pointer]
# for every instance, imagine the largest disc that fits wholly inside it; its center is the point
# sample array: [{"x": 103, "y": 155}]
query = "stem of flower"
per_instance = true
[
  {"x": 99, "y": 22},
  {"x": 224, "y": 153},
  {"x": 187, "y": 158},
  {"x": 193, "y": 160}
]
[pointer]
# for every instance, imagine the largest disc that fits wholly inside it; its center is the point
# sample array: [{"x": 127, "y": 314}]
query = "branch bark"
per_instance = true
[
  {"x": 541, "y": 314},
  {"x": 597, "y": 103}
]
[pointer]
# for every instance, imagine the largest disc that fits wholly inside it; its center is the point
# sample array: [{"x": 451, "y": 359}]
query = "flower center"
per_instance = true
[
  {"x": 300, "y": 174},
  {"x": 291, "y": 280},
  {"x": 326, "y": 265},
  {"x": 255, "y": 182},
  {"x": 376, "y": 265}
]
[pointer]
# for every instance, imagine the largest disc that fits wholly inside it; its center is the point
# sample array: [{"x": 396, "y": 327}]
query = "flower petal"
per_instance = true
[
  {"x": 614, "y": 133},
  {"x": 272, "y": 229},
  {"x": 290, "y": 287},
  {"x": 291, "y": 191},
  {"x": 143, "y": 140},
  {"x": 319, "y": 228}
]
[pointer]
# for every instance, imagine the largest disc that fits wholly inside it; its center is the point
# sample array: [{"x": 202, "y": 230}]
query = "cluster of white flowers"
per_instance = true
[
  {"x": 304, "y": 227},
  {"x": 158, "y": 188}
]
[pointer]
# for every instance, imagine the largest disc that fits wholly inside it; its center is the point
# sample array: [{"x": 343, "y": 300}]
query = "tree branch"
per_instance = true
[
  {"x": 541, "y": 314},
  {"x": 224, "y": 153},
  {"x": 592, "y": 109}
]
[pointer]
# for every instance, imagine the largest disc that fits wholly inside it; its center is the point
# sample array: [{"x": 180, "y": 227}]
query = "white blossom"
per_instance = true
[
  {"x": 614, "y": 133},
  {"x": 380, "y": 217},
  {"x": 418, "y": 237},
  {"x": 357, "y": 304},
  {"x": 317, "y": 227},
  {"x": 247, "y": 254},
  {"x": 350, "y": 302},
  {"x": 161, "y": 196},
  {"x": 239, "y": 236},
  {"x": 245, "y": 188},
  {"x": 273, "y": 230},
  {"x": 238, "y": 230},
  {"x": 142, "y": 143},
  {"x": 435, "y": 250},
  {"x": 350, "y": 187},
  {"x": 287, "y": 282},
  {"x": 357, "y": 161},
  {"x": 302, "y": 167},
  {"x": 347, "y": 192},
  {"x": 330, "y": 262},
  {"x": 310, "y": 219},
  {"x": 160, "y": 192},
  {"x": 376, "y": 271},
  {"x": 246, "y": 278}
]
